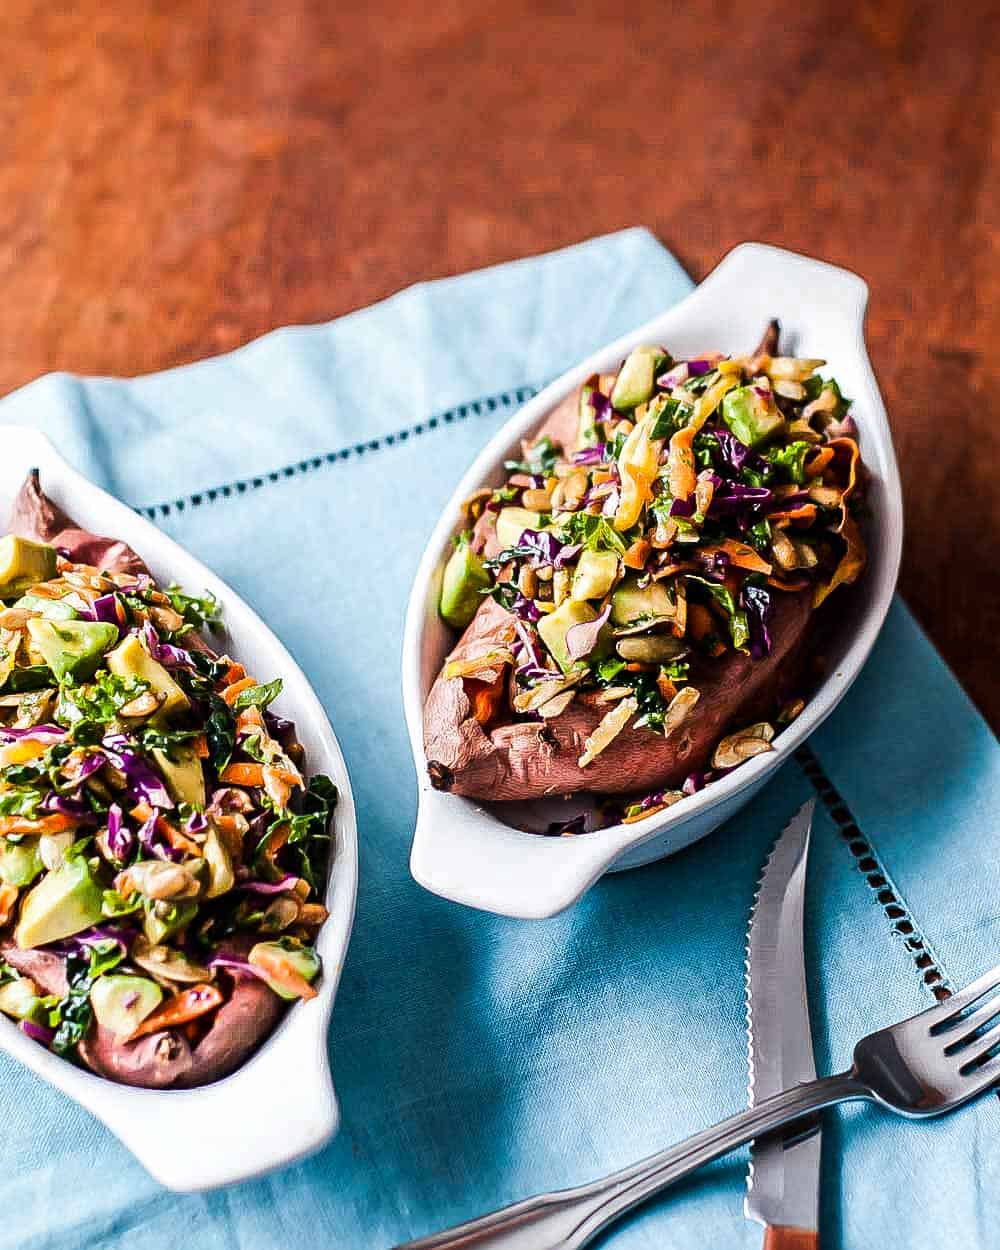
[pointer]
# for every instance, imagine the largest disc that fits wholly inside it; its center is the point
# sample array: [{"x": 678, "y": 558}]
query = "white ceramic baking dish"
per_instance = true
[
  {"x": 280, "y": 1106},
  {"x": 480, "y": 854}
]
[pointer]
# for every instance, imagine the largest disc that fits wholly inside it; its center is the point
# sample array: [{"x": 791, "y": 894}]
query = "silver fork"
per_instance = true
[{"x": 923, "y": 1066}]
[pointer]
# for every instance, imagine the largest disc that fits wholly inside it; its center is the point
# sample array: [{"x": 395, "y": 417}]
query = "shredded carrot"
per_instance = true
[
  {"x": 486, "y": 697},
  {"x": 636, "y": 666},
  {"x": 242, "y": 775},
  {"x": 250, "y": 718},
  {"x": 184, "y": 1007},
  {"x": 200, "y": 746},
  {"x": 851, "y": 562},
  {"x": 818, "y": 461},
  {"x": 8, "y": 897},
  {"x": 681, "y": 477},
  {"x": 805, "y": 512},
  {"x": 57, "y": 822},
  {"x": 637, "y": 554},
  {"x": 178, "y": 840},
  {"x": 232, "y": 693},
  {"x": 740, "y": 554},
  {"x": 666, "y": 687},
  {"x": 141, "y": 812},
  {"x": 700, "y": 621},
  {"x": 279, "y": 971},
  {"x": 848, "y": 447},
  {"x": 235, "y": 672}
]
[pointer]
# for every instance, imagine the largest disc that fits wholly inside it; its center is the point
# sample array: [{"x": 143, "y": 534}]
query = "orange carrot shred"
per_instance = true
[
  {"x": 240, "y": 774},
  {"x": 181, "y": 1009},
  {"x": 232, "y": 693}
]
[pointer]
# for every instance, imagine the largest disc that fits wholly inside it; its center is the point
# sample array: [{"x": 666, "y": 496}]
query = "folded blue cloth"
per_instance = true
[{"x": 481, "y": 1059}]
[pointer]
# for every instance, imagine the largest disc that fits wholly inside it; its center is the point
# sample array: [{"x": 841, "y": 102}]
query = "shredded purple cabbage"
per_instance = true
[
  {"x": 758, "y": 605},
  {"x": 675, "y": 376},
  {"x": 682, "y": 507},
  {"x": 268, "y": 887},
  {"x": 524, "y": 608},
  {"x": 143, "y": 782},
  {"x": 591, "y": 455},
  {"x": 108, "y": 608},
  {"x": 544, "y": 547},
  {"x": 41, "y": 732},
  {"x": 694, "y": 782},
  {"x": 37, "y": 1032},
  {"x": 75, "y": 808},
  {"x": 698, "y": 368},
  {"x": 736, "y": 456},
  {"x": 155, "y": 844},
  {"x": 121, "y": 839},
  {"x": 601, "y": 404},
  {"x": 233, "y": 963},
  {"x": 166, "y": 653},
  {"x": 743, "y": 502}
]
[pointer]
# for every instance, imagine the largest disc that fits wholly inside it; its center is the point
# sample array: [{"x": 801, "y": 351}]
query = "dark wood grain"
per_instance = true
[{"x": 176, "y": 178}]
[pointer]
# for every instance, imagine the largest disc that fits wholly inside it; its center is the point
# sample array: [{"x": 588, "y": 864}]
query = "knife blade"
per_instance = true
[{"x": 783, "y": 1178}]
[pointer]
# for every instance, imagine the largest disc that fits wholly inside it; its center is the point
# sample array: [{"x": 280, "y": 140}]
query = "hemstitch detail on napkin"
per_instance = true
[
  {"x": 474, "y": 408},
  {"x": 869, "y": 863}
]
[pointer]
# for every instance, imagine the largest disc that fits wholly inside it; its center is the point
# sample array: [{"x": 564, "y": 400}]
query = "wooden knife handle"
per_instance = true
[{"x": 781, "y": 1237}]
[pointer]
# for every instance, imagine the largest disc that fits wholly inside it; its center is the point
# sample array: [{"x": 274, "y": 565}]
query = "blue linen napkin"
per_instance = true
[{"x": 481, "y": 1059}]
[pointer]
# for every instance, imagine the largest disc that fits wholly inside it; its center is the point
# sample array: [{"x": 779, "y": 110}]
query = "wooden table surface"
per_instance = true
[{"x": 177, "y": 178}]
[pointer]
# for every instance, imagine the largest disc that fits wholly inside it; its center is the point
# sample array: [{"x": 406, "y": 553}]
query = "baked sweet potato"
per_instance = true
[
  {"x": 723, "y": 486},
  {"x": 147, "y": 829}
]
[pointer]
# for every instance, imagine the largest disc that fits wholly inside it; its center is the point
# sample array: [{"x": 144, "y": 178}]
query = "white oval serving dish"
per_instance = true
[
  {"x": 280, "y": 1105},
  {"x": 462, "y": 849}
]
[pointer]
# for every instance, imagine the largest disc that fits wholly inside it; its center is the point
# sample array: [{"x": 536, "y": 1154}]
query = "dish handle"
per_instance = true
[
  {"x": 755, "y": 278},
  {"x": 463, "y": 853}
]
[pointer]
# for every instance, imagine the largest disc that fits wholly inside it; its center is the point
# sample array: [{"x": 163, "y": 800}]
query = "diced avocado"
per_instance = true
[
  {"x": 182, "y": 771},
  {"x": 163, "y": 919},
  {"x": 65, "y": 901},
  {"x": 462, "y": 585},
  {"x": 631, "y": 603},
  {"x": 23, "y": 563},
  {"x": 121, "y": 1003},
  {"x": 595, "y": 574},
  {"x": 636, "y": 378},
  {"x": 276, "y": 960},
  {"x": 51, "y": 609},
  {"x": 131, "y": 659},
  {"x": 20, "y": 862},
  {"x": 220, "y": 864},
  {"x": 20, "y": 999},
  {"x": 512, "y": 522},
  {"x": 71, "y": 647},
  {"x": 554, "y": 627},
  {"x": 752, "y": 415}
]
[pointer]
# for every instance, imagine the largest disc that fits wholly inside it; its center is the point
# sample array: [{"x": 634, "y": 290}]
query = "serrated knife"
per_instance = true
[{"x": 783, "y": 1180}]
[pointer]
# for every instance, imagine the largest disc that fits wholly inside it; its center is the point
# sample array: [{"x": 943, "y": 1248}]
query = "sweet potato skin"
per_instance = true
[
  {"x": 34, "y": 515},
  {"x": 529, "y": 760}
]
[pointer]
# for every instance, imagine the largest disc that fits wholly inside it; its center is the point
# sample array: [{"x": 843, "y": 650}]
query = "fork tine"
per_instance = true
[
  {"x": 982, "y": 1047},
  {"x": 982, "y": 1078},
  {"x": 968, "y": 1025},
  {"x": 951, "y": 1007}
]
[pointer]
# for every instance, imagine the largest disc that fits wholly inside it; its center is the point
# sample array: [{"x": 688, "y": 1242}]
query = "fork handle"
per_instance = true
[{"x": 569, "y": 1219}]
